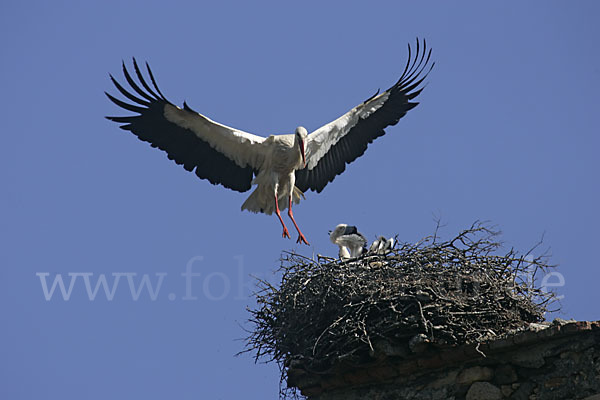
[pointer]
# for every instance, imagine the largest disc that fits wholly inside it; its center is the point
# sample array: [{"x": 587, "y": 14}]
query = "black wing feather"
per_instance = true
[
  {"x": 355, "y": 142},
  {"x": 180, "y": 144},
  {"x": 125, "y": 93}
]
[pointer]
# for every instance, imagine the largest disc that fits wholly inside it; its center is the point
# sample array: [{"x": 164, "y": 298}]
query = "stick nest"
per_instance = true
[{"x": 326, "y": 311}]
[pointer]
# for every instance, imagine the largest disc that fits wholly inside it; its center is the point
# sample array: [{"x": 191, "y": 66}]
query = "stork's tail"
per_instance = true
[{"x": 261, "y": 200}]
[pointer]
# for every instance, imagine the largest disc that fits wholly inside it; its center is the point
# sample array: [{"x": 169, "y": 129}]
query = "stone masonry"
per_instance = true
[{"x": 555, "y": 361}]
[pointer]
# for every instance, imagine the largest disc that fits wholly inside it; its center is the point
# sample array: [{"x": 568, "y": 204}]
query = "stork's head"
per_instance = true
[
  {"x": 300, "y": 140},
  {"x": 337, "y": 232}
]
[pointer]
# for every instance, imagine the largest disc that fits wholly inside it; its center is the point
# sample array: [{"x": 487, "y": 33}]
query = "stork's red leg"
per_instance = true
[
  {"x": 301, "y": 238},
  {"x": 285, "y": 233}
]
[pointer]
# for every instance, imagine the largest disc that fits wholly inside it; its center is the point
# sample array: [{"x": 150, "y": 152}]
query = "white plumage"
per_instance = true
[
  {"x": 281, "y": 166},
  {"x": 350, "y": 241},
  {"x": 381, "y": 245}
]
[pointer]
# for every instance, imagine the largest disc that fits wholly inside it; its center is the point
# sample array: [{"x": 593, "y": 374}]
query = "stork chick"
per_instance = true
[{"x": 350, "y": 241}]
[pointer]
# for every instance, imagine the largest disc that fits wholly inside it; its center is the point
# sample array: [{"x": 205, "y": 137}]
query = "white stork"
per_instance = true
[
  {"x": 350, "y": 241},
  {"x": 281, "y": 166},
  {"x": 381, "y": 245}
]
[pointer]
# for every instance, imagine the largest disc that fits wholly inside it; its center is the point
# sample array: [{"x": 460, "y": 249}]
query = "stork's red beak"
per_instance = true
[{"x": 302, "y": 152}]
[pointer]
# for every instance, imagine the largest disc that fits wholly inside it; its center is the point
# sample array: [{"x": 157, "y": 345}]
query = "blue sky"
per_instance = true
[{"x": 504, "y": 132}]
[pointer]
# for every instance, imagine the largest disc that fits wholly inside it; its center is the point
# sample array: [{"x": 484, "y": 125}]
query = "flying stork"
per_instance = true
[{"x": 281, "y": 166}]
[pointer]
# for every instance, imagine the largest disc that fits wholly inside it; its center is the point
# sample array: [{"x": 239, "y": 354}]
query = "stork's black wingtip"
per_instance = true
[
  {"x": 186, "y": 107},
  {"x": 113, "y": 80},
  {"x": 410, "y": 106}
]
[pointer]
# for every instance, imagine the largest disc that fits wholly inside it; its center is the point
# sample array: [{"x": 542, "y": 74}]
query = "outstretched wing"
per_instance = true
[
  {"x": 340, "y": 142},
  {"x": 216, "y": 152}
]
